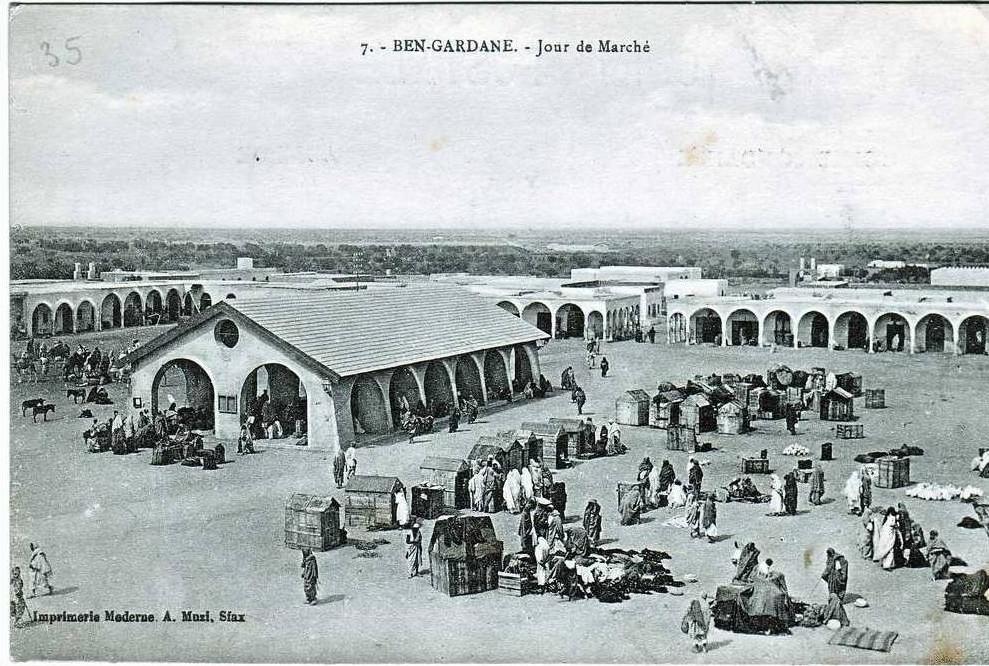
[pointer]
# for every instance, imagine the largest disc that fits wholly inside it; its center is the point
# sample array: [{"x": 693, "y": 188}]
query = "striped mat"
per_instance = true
[{"x": 865, "y": 639}]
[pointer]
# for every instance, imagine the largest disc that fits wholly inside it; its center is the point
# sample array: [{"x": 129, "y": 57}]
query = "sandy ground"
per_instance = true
[{"x": 124, "y": 535}]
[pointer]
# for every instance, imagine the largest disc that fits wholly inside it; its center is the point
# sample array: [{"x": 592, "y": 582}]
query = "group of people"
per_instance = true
[
  {"x": 783, "y": 495},
  {"x": 41, "y": 578},
  {"x": 268, "y": 419},
  {"x": 891, "y": 538},
  {"x": 551, "y": 545},
  {"x": 533, "y": 482},
  {"x": 658, "y": 487},
  {"x": 344, "y": 465}
]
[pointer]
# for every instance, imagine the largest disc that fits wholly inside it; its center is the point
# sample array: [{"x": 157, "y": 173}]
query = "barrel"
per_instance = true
[
  {"x": 875, "y": 398},
  {"x": 826, "y": 451}
]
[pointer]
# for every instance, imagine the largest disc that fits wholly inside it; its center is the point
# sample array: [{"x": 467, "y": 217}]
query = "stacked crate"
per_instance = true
[
  {"x": 875, "y": 398},
  {"x": 893, "y": 472}
]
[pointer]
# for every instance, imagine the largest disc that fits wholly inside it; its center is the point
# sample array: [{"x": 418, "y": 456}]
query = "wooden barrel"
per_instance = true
[
  {"x": 209, "y": 459},
  {"x": 826, "y": 452},
  {"x": 893, "y": 472},
  {"x": 875, "y": 398}
]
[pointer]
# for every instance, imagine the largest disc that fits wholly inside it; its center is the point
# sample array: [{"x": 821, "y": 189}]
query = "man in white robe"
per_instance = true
[{"x": 512, "y": 490}]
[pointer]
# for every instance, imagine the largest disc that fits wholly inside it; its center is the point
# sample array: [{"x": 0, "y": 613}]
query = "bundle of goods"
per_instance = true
[
  {"x": 968, "y": 593},
  {"x": 796, "y": 450},
  {"x": 902, "y": 452},
  {"x": 816, "y": 615},
  {"x": 943, "y": 493},
  {"x": 741, "y": 489}
]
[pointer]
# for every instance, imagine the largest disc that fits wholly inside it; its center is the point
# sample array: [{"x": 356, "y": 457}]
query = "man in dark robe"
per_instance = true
[
  {"x": 525, "y": 529},
  {"x": 695, "y": 477},
  {"x": 580, "y": 398},
  {"x": 790, "y": 494},
  {"x": 604, "y": 366},
  {"x": 748, "y": 561},
  {"x": 310, "y": 576},
  {"x": 645, "y": 467},
  {"x": 836, "y": 574},
  {"x": 454, "y": 419},
  {"x": 666, "y": 476},
  {"x": 339, "y": 467},
  {"x": 817, "y": 485},
  {"x": 592, "y": 521},
  {"x": 939, "y": 557},
  {"x": 651, "y": 334}
]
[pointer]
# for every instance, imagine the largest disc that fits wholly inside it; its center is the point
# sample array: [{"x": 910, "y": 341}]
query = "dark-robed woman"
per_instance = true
[
  {"x": 310, "y": 575},
  {"x": 592, "y": 522},
  {"x": 666, "y": 477},
  {"x": 790, "y": 494}
]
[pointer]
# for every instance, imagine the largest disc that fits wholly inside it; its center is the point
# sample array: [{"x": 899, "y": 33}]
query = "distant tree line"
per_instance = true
[{"x": 37, "y": 253}]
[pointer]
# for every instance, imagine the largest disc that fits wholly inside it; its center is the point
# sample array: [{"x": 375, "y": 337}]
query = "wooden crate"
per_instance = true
[
  {"x": 875, "y": 398},
  {"x": 428, "y": 501},
  {"x": 893, "y": 472},
  {"x": 514, "y": 585},
  {"x": 680, "y": 438},
  {"x": 456, "y": 578},
  {"x": 805, "y": 463},
  {"x": 755, "y": 466},
  {"x": 632, "y": 408},
  {"x": 827, "y": 452},
  {"x": 313, "y": 522},
  {"x": 849, "y": 431}
]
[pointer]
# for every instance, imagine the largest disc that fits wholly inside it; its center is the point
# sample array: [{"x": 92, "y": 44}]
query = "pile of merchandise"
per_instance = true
[{"x": 943, "y": 493}]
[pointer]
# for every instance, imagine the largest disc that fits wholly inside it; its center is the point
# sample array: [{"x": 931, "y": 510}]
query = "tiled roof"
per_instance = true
[
  {"x": 372, "y": 484},
  {"x": 443, "y": 464},
  {"x": 352, "y": 332}
]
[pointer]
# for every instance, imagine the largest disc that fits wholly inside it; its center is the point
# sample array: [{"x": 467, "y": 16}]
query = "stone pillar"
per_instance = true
[
  {"x": 910, "y": 331},
  {"x": 451, "y": 370},
  {"x": 478, "y": 358},
  {"x": 506, "y": 357},
  {"x": 870, "y": 332},
  {"x": 419, "y": 373},
  {"x": 340, "y": 399}
]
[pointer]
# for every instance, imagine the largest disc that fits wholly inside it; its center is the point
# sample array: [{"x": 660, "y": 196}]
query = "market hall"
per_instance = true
[{"x": 342, "y": 362}]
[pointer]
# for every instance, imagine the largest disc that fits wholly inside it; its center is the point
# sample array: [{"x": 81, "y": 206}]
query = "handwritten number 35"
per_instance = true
[{"x": 73, "y": 57}]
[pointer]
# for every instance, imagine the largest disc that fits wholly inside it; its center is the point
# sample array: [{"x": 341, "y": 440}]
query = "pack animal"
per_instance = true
[
  {"x": 31, "y": 404},
  {"x": 43, "y": 410},
  {"x": 76, "y": 394}
]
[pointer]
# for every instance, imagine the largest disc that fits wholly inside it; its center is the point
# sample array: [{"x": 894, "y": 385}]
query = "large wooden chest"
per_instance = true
[
  {"x": 755, "y": 466},
  {"x": 313, "y": 522},
  {"x": 849, "y": 431},
  {"x": 893, "y": 472},
  {"x": 680, "y": 438},
  {"x": 514, "y": 585},
  {"x": 428, "y": 501},
  {"x": 875, "y": 398}
]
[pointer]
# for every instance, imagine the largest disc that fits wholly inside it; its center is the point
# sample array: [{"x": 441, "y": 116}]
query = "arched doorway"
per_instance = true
[
  {"x": 133, "y": 313},
  {"x": 153, "y": 308},
  {"x": 595, "y": 324},
  {"x": 188, "y": 305},
  {"x": 283, "y": 390},
  {"x": 205, "y": 301},
  {"x": 367, "y": 407},
  {"x": 893, "y": 332},
  {"x": 677, "y": 327},
  {"x": 188, "y": 385},
  {"x": 972, "y": 335},
  {"x": 743, "y": 328},
  {"x": 173, "y": 306},
  {"x": 851, "y": 331},
  {"x": 705, "y": 324},
  {"x": 569, "y": 321},
  {"x": 85, "y": 317},
  {"x": 523, "y": 367},
  {"x": 539, "y": 315},
  {"x": 110, "y": 312},
  {"x": 509, "y": 307},
  {"x": 403, "y": 385},
  {"x": 64, "y": 322},
  {"x": 935, "y": 333},
  {"x": 230, "y": 297},
  {"x": 439, "y": 391},
  {"x": 777, "y": 329},
  {"x": 469, "y": 379},
  {"x": 812, "y": 330},
  {"x": 41, "y": 320},
  {"x": 495, "y": 374}
]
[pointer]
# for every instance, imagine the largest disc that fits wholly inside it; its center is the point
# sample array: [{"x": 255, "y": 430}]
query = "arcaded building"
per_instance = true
[
  {"x": 898, "y": 320},
  {"x": 344, "y": 358}
]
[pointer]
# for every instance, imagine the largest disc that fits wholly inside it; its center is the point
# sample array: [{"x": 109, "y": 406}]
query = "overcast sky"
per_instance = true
[{"x": 740, "y": 116}]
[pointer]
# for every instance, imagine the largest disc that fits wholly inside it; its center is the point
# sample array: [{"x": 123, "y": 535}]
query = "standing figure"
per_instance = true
[
  {"x": 693, "y": 515},
  {"x": 790, "y": 493},
  {"x": 351, "y": 463},
  {"x": 865, "y": 496},
  {"x": 592, "y": 522},
  {"x": 709, "y": 518},
  {"x": 526, "y": 528},
  {"x": 836, "y": 574},
  {"x": 245, "y": 442},
  {"x": 512, "y": 491},
  {"x": 18, "y": 607},
  {"x": 310, "y": 576},
  {"x": 580, "y": 398},
  {"x": 413, "y": 549},
  {"x": 695, "y": 477},
  {"x": 454, "y": 419},
  {"x": 889, "y": 550},
  {"x": 866, "y": 538},
  {"x": 41, "y": 571},
  {"x": 604, "y": 366},
  {"x": 697, "y": 622},
  {"x": 817, "y": 485},
  {"x": 677, "y": 496},
  {"x": 339, "y": 466},
  {"x": 775, "y": 496},
  {"x": 853, "y": 492}
]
